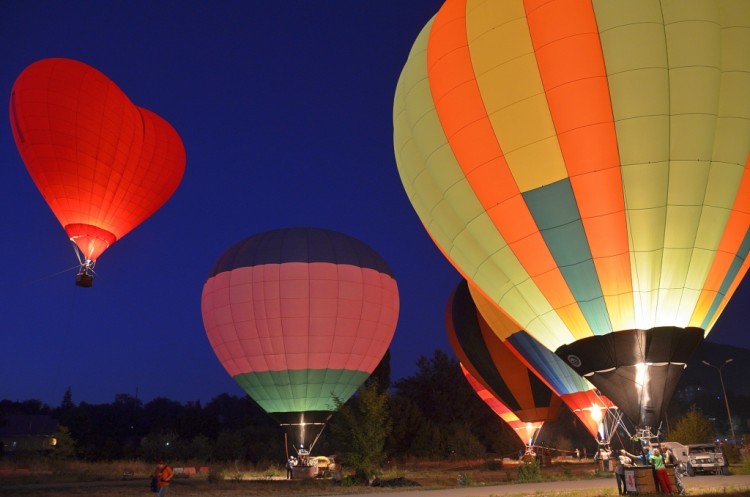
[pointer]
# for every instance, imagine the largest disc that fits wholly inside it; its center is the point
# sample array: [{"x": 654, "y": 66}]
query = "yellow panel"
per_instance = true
[
  {"x": 633, "y": 47},
  {"x": 478, "y": 238},
  {"x": 484, "y": 15},
  {"x": 647, "y": 229},
  {"x": 509, "y": 81},
  {"x": 695, "y": 89},
  {"x": 646, "y": 272},
  {"x": 695, "y": 38},
  {"x": 681, "y": 226},
  {"x": 674, "y": 268},
  {"x": 712, "y": 225},
  {"x": 611, "y": 14},
  {"x": 643, "y": 140},
  {"x": 514, "y": 81},
  {"x": 732, "y": 134},
  {"x": 669, "y": 303},
  {"x": 645, "y": 186},
  {"x": 500, "y": 44},
  {"x": 621, "y": 312},
  {"x": 687, "y": 182}
]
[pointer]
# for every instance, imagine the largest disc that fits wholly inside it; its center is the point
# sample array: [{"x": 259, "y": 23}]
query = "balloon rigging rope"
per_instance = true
[{"x": 52, "y": 275}]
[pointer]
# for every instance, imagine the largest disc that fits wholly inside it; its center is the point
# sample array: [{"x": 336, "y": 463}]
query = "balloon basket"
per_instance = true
[
  {"x": 84, "y": 280},
  {"x": 303, "y": 472}
]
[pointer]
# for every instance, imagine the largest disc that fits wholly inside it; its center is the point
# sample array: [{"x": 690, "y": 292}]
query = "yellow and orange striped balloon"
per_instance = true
[{"x": 584, "y": 163}]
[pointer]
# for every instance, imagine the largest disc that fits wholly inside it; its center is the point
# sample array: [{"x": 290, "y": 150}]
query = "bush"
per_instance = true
[
  {"x": 215, "y": 477},
  {"x": 492, "y": 465},
  {"x": 529, "y": 472},
  {"x": 464, "y": 480}
]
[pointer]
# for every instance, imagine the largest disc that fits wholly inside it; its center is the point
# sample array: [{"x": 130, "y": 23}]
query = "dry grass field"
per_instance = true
[{"x": 121, "y": 479}]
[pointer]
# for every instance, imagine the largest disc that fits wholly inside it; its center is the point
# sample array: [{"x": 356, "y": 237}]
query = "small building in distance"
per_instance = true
[{"x": 27, "y": 434}]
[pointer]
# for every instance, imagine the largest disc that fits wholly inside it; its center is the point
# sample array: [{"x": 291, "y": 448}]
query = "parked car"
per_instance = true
[
  {"x": 700, "y": 458},
  {"x": 323, "y": 466}
]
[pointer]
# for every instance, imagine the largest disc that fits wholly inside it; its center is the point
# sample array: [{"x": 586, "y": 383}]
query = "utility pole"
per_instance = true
[{"x": 724, "y": 393}]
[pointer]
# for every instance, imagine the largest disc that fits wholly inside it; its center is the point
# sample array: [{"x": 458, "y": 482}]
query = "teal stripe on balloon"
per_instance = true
[
  {"x": 732, "y": 273},
  {"x": 548, "y": 365},
  {"x": 555, "y": 212},
  {"x": 301, "y": 390}
]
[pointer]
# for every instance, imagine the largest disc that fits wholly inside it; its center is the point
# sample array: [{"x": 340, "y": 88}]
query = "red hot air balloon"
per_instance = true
[
  {"x": 297, "y": 317},
  {"x": 102, "y": 164}
]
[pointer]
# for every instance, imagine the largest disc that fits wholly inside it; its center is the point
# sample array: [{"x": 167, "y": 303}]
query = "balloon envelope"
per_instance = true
[
  {"x": 102, "y": 164},
  {"x": 526, "y": 432},
  {"x": 494, "y": 365},
  {"x": 584, "y": 164},
  {"x": 576, "y": 392},
  {"x": 299, "y": 316}
]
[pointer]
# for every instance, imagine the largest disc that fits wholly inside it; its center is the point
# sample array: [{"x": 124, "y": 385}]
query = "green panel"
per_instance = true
[
  {"x": 301, "y": 390},
  {"x": 555, "y": 212}
]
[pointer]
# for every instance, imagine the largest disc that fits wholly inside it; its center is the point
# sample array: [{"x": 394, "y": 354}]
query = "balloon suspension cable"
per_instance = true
[
  {"x": 316, "y": 438},
  {"x": 85, "y": 276}
]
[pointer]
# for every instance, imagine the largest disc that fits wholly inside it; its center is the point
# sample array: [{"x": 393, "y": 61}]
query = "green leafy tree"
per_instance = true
[
  {"x": 443, "y": 397},
  {"x": 406, "y": 422},
  {"x": 160, "y": 445},
  {"x": 361, "y": 429},
  {"x": 65, "y": 446},
  {"x": 430, "y": 441},
  {"x": 694, "y": 427},
  {"x": 231, "y": 445},
  {"x": 463, "y": 444}
]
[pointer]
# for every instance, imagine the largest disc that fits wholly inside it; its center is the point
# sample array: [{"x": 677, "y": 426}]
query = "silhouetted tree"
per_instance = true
[
  {"x": 693, "y": 428},
  {"x": 361, "y": 429}
]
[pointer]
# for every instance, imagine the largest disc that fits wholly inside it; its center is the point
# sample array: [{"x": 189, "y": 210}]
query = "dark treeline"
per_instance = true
[{"x": 435, "y": 415}]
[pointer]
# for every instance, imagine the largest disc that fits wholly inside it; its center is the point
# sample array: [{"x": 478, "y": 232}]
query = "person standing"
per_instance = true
[
  {"x": 660, "y": 470},
  {"x": 670, "y": 458},
  {"x": 163, "y": 474},
  {"x": 622, "y": 461},
  {"x": 289, "y": 468}
]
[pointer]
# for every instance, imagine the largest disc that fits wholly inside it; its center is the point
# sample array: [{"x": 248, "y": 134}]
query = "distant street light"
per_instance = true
[{"x": 724, "y": 392}]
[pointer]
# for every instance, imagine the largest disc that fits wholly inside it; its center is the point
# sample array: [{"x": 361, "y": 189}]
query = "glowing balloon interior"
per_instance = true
[
  {"x": 102, "y": 164},
  {"x": 585, "y": 165}
]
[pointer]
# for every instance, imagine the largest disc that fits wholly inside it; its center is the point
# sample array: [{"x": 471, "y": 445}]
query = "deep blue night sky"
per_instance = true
[{"x": 285, "y": 111}]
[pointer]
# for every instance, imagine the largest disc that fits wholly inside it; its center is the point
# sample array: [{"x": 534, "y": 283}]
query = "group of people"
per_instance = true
[{"x": 651, "y": 456}]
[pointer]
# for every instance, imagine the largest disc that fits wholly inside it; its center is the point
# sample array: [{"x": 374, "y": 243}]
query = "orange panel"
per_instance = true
[
  {"x": 513, "y": 371},
  {"x": 599, "y": 193},
  {"x": 514, "y": 209},
  {"x": 492, "y": 180},
  {"x": 533, "y": 253},
  {"x": 730, "y": 243}
]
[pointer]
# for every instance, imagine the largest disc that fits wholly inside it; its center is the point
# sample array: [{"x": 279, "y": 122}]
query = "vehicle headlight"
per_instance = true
[
  {"x": 720, "y": 460},
  {"x": 692, "y": 461}
]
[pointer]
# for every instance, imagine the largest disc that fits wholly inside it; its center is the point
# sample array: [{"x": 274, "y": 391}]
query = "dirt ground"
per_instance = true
[{"x": 432, "y": 480}]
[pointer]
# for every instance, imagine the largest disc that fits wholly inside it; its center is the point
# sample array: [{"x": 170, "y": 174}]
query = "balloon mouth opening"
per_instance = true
[
  {"x": 90, "y": 240},
  {"x": 637, "y": 370},
  {"x": 305, "y": 428}
]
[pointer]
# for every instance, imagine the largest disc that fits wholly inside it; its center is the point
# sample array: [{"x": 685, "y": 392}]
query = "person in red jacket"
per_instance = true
[
  {"x": 661, "y": 471},
  {"x": 163, "y": 474}
]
